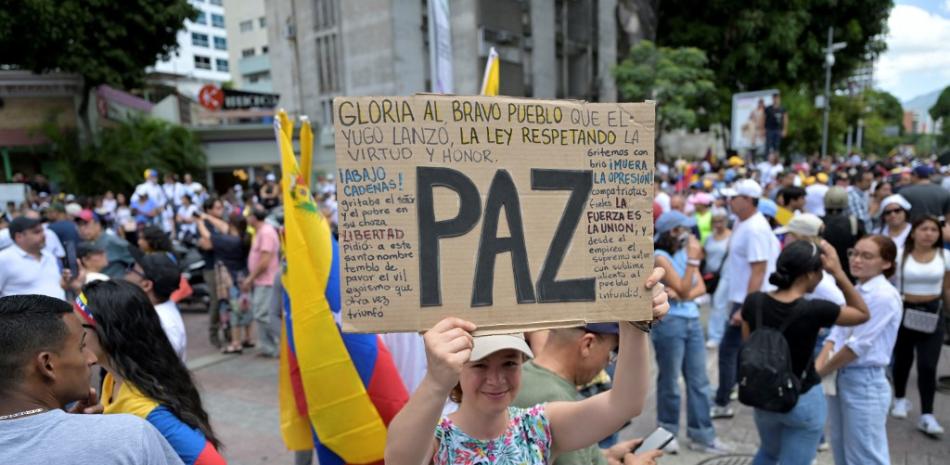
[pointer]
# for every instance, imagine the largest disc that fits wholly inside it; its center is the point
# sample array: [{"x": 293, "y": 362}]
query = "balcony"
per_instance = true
[{"x": 254, "y": 64}]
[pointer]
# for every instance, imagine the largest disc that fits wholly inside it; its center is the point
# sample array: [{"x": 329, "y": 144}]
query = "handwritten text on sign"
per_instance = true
[{"x": 511, "y": 213}]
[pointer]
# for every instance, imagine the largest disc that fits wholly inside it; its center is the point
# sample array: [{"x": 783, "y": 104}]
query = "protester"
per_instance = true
[
  {"x": 790, "y": 200},
  {"x": 92, "y": 229},
  {"x": 484, "y": 375},
  {"x": 894, "y": 218},
  {"x": 145, "y": 376},
  {"x": 776, "y": 124},
  {"x": 859, "y": 197},
  {"x": 842, "y": 230},
  {"x": 923, "y": 277},
  {"x": 46, "y": 363},
  {"x": 678, "y": 343},
  {"x": 229, "y": 242},
  {"x": 815, "y": 190},
  {"x": 858, "y": 394},
  {"x": 753, "y": 249},
  {"x": 269, "y": 193},
  {"x": 150, "y": 188},
  {"x": 702, "y": 203},
  {"x": 925, "y": 197},
  {"x": 64, "y": 226},
  {"x": 792, "y": 437},
  {"x": 263, "y": 266},
  {"x": 213, "y": 210},
  {"x": 574, "y": 357},
  {"x": 157, "y": 275},
  {"x": 146, "y": 210},
  {"x": 26, "y": 267},
  {"x": 186, "y": 217},
  {"x": 91, "y": 261},
  {"x": 715, "y": 276}
]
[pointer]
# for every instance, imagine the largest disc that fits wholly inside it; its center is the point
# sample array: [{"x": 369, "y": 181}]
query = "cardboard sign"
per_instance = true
[{"x": 511, "y": 213}]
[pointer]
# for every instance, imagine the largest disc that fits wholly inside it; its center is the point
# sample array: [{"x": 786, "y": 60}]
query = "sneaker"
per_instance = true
[
  {"x": 717, "y": 412},
  {"x": 716, "y": 447},
  {"x": 824, "y": 445},
  {"x": 734, "y": 395},
  {"x": 672, "y": 448},
  {"x": 900, "y": 408},
  {"x": 712, "y": 344},
  {"x": 928, "y": 424}
]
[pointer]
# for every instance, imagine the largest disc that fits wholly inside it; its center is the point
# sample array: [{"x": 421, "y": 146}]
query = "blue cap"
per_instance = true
[
  {"x": 768, "y": 207},
  {"x": 669, "y": 220},
  {"x": 603, "y": 328},
  {"x": 923, "y": 171}
]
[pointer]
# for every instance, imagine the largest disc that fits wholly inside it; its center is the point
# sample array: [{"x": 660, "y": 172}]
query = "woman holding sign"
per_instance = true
[{"x": 484, "y": 374}]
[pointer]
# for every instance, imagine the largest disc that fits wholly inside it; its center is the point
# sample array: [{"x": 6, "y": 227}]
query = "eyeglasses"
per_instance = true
[
  {"x": 866, "y": 256},
  {"x": 892, "y": 211}
]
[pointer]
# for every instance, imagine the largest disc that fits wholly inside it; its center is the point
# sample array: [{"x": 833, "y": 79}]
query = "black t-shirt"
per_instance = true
[
  {"x": 926, "y": 199},
  {"x": 230, "y": 250},
  {"x": 840, "y": 233},
  {"x": 208, "y": 255},
  {"x": 774, "y": 118},
  {"x": 801, "y": 334}
]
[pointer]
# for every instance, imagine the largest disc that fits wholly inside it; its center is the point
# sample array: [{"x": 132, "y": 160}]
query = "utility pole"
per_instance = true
[{"x": 829, "y": 62}]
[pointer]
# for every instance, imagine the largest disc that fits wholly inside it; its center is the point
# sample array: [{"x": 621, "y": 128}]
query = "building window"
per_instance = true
[
  {"x": 248, "y": 52},
  {"x": 201, "y": 18},
  {"x": 199, "y": 40},
  {"x": 216, "y": 2},
  {"x": 221, "y": 64},
  {"x": 262, "y": 22},
  {"x": 217, "y": 20},
  {"x": 202, "y": 62},
  {"x": 264, "y": 50},
  {"x": 220, "y": 43},
  {"x": 246, "y": 26}
]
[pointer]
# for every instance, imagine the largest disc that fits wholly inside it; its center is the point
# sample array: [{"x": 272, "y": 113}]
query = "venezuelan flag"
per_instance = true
[{"x": 347, "y": 417}]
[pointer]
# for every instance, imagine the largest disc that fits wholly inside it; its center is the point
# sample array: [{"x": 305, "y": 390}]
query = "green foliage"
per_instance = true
[
  {"x": 941, "y": 110},
  {"x": 877, "y": 110},
  {"x": 774, "y": 43},
  {"x": 123, "y": 153},
  {"x": 677, "y": 79},
  {"x": 105, "y": 41}
]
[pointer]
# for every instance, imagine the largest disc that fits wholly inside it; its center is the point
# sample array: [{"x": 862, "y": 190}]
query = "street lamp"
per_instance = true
[{"x": 829, "y": 62}]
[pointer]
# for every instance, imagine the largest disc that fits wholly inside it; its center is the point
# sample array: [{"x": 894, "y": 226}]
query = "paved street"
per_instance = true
[{"x": 240, "y": 393}]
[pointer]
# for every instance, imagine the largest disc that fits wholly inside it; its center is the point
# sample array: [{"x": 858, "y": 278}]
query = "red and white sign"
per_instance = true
[{"x": 211, "y": 97}]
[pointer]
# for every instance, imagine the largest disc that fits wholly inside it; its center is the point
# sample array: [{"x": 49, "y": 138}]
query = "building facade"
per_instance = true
[
  {"x": 320, "y": 49},
  {"x": 202, "y": 46},
  {"x": 248, "y": 49}
]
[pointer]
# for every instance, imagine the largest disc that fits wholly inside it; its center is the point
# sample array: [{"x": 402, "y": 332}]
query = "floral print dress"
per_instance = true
[{"x": 527, "y": 441}]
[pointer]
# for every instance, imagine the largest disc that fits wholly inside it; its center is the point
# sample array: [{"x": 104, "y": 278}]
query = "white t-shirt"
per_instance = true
[
  {"x": 187, "y": 212},
  {"x": 752, "y": 241},
  {"x": 815, "y": 199},
  {"x": 827, "y": 289},
  {"x": 174, "y": 327},
  {"x": 769, "y": 171},
  {"x": 900, "y": 239},
  {"x": 663, "y": 199},
  {"x": 922, "y": 278},
  {"x": 21, "y": 273}
]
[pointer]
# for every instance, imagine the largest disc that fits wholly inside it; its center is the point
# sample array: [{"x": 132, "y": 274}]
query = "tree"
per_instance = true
[
  {"x": 774, "y": 43},
  {"x": 122, "y": 154},
  {"x": 677, "y": 79},
  {"x": 104, "y": 41},
  {"x": 941, "y": 112}
]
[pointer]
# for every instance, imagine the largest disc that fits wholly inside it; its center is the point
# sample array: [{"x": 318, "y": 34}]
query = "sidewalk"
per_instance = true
[{"x": 240, "y": 395}]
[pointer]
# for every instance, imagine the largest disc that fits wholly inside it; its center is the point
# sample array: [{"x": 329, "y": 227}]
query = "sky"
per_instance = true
[{"x": 917, "y": 60}]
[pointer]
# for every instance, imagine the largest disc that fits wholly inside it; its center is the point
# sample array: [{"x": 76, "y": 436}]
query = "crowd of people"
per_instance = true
[{"x": 828, "y": 273}]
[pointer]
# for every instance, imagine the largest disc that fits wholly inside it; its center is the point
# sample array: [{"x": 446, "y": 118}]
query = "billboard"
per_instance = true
[{"x": 748, "y": 119}]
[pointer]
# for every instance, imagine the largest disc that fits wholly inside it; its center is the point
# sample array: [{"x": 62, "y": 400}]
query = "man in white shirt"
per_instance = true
[
  {"x": 158, "y": 275},
  {"x": 25, "y": 267},
  {"x": 151, "y": 188},
  {"x": 815, "y": 195},
  {"x": 770, "y": 169},
  {"x": 659, "y": 196},
  {"x": 753, "y": 250}
]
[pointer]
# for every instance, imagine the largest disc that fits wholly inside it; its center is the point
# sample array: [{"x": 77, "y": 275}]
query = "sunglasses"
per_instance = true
[{"x": 892, "y": 211}]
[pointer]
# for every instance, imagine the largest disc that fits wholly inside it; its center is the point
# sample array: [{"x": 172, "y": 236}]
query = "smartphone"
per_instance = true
[{"x": 658, "y": 439}]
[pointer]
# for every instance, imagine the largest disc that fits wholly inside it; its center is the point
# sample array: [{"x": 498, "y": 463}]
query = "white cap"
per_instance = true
[
  {"x": 803, "y": 224},
  {"x": 270, "y": 177},
  {"x": 744, "y": 187},
  {"x": 895, "y": 199},
  {"x": 487, "y": 345},
  {"x": 73, "y": 209}
]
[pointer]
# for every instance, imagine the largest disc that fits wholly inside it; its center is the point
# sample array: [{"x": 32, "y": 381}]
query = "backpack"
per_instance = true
[{"x": 766, "y": 377}]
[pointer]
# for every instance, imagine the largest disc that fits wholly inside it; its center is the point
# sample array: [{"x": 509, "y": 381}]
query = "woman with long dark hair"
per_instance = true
[
  {"x": 144, "y": 376},
  {"x": 923, "y": 277},
  {"x": 858, "y": 392},
  {"x": 792, "y": 438}
]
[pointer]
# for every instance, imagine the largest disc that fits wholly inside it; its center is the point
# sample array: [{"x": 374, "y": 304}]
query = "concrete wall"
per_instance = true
[{"x": 257, "y": 38}]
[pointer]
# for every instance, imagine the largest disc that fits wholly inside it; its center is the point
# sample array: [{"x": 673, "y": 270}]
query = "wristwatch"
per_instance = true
[{"x": 644, "y": 326}]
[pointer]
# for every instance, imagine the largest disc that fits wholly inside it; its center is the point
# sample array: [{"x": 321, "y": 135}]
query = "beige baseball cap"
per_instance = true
[
  {"x": 487, "y": 345},
  {"x": 803, "y": 224}
]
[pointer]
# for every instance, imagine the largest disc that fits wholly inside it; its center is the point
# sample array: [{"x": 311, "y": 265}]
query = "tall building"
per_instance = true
[
  {"x": 248, "y": 48},
  {"x": 202, "y": 46},
  {"x": 320, "y": 49}
]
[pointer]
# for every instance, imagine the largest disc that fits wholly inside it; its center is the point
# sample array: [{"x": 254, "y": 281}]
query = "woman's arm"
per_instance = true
[
  {"x": 683, "y": 285},
  {"x": 824, "y": 365},
  {"x": 204, "y": 236},
  {"x": 411, "y": 440},
  {"x": 575, "y": 425},
  {"x": 855, "y": 311}
]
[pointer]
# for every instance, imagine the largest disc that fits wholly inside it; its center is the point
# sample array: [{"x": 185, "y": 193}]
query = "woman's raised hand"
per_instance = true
[
  {"x": 829, "y": 258},
  {"x": 448, "y": 347}
]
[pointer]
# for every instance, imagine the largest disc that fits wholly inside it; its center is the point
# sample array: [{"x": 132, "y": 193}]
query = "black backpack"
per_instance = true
[{"x": 766, "y": 377}]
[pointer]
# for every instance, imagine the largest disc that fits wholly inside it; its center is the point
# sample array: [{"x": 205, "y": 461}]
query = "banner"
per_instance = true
[
  {"x": 512, "y": 213},
  {"x": 215, "y": 98},
  {"x": 748, "y": 119}
]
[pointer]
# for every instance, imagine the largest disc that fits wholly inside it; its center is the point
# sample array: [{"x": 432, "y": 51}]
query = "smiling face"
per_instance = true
[{"x": 492, "y": 383}]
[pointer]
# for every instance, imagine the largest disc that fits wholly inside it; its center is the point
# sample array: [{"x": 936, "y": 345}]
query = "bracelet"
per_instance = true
[
  {"x": 692, "y": 262},
  {"x": 644, "y": 326}
]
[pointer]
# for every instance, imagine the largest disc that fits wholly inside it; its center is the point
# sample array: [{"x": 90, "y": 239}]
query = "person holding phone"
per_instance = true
[
  {"x": 792, "y": 438},
  {"x": 484, "y": 375}
]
